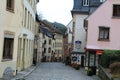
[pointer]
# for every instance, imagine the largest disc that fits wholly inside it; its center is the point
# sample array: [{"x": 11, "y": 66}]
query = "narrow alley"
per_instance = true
[{"x": 58, "y": 71}]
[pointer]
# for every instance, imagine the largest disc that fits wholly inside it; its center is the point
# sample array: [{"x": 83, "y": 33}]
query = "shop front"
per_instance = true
[
  {"x": 77, "y": 59},
  {"x": 92, "y": 59}
]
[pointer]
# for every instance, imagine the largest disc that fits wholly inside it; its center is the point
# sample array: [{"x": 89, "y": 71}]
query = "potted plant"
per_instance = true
[{"x": 89, "y": 72}]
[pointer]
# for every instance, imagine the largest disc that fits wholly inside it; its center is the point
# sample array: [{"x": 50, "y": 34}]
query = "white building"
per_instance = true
[
  {"x": 69, "y": 32},
  {"x": 79, "y": 13},
  {"x": 81, "y": 10},
  {"x": 48, "y": 41}
]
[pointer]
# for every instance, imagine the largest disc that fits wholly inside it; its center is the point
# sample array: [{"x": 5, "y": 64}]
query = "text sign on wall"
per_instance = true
[{"x": 77, "y": 44}]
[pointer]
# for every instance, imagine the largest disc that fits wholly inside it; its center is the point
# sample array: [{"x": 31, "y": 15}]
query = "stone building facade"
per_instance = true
[{"x": 17, "y": 23}]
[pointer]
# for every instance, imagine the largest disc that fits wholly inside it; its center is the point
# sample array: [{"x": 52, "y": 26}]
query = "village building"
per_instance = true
[
  {"x": 102, "y": 30},
  {"x": 17, "y": 23},
  {"x": 59, "y": 41},
  {"x": 69, "y": 32},
  {"x": 58, "y": 47},
  {"x": 37, "y": 56},
  {"x": 81, "y": 10},
  {"x": 67, "y": 42},
  {"x": 48, "y": 32}
]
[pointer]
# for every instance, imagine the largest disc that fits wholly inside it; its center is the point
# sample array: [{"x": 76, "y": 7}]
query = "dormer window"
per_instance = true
[
  {"x": 85, "y": 2},
  {"x": 102, "y": 0}
]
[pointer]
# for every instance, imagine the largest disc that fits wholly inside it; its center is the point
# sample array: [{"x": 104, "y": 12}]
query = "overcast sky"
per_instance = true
[{"x": 56, "y": 10}]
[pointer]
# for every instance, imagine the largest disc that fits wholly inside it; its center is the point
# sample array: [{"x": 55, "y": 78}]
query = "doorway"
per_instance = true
[{"x": 82, "y": 61}]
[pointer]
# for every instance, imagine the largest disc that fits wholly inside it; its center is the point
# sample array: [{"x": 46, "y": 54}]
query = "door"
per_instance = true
[{"x": 82, "y": 61}]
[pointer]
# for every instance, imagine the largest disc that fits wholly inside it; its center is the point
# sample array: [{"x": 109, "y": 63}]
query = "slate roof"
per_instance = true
[
  {"x": 79, "y": 8},
  {"x": 46, "y": 31},
  {"x": 37, "y": 18},
  {"x": 51, "y": 26},
  {"x": 94, "y": 3}
]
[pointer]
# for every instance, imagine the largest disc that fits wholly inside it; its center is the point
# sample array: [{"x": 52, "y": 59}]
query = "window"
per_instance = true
[
  {"x": 85, "y": 2},
  {"x": 102, "y": 0},
  {"x": 103, "y": 33},
  {"x": 53, "y": 45},
  {"x": 43, "y": 35},
  {"x": 25, "y": 17},
  {"x": 28, "y": 19},
  {"x": 45, "y": 41},
  {"x": 10, "y": 5},
  {"x": 44, "y": 50},
  {"x": 8, "y": 48},
  {"x": 116, "y": 10},
  {"x": 49, "y": 50},
  {"x": 49, "y": 41}
]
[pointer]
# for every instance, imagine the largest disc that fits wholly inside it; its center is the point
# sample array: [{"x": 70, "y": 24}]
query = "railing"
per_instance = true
[{"x": 102, "y": 74}]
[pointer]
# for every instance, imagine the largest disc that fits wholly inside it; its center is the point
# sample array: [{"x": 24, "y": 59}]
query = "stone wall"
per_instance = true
[{"x": 102, "y": 74}]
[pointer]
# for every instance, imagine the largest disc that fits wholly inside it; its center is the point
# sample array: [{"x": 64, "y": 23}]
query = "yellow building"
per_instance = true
[
  {"x": 17, "y": 23},
  {"x": 58, "y": 46}
]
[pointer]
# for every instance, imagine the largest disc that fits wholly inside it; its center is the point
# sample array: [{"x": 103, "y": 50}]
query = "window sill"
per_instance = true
[
  {"x": 115, "y": 17},
  {"x": 10, "y": 10},
  {"x": 4, "y": 60},
  {"x": 106, "y": 40}
]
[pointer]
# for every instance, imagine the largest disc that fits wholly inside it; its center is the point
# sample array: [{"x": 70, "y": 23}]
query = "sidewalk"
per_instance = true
[{"x": 22, "y": 74}]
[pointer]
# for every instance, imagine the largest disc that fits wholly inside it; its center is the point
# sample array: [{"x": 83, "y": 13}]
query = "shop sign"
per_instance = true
[{"x": 99, "y": 52}]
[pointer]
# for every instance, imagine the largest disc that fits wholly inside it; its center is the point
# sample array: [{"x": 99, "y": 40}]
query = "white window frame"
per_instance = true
[
  {"x": 102, "y": 0},
  {"x": 85, "y": 2}
]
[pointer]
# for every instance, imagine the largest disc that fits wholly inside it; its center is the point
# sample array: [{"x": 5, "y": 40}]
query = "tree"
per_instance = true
[{"x": 60, "y": 26}]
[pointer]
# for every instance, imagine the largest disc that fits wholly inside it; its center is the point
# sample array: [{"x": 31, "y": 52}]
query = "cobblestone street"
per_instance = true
[{"x": 58, "y": 71}]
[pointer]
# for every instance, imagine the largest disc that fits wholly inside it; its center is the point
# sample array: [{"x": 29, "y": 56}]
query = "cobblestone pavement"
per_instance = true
[{"x": 58, "y": 71}]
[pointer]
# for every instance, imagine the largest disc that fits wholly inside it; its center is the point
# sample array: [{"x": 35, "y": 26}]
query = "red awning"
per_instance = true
[{"x": 99, "y": 52}]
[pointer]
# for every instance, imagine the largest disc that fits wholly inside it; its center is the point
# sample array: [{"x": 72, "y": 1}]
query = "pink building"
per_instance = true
[{"x": 103, "y": 30}]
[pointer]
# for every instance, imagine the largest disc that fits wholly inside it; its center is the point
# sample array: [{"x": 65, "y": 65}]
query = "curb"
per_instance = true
[{"x": 23, "y": 77}]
